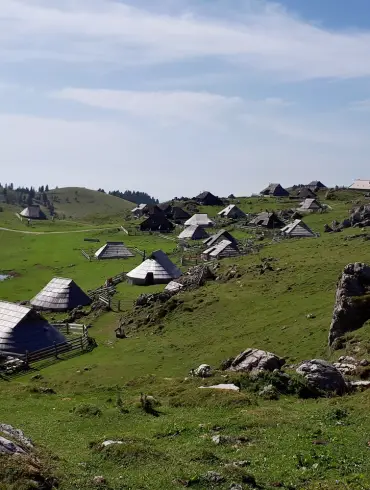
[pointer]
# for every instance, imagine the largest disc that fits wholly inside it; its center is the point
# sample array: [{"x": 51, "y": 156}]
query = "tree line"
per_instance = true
[{"x": 136, "y": 197}]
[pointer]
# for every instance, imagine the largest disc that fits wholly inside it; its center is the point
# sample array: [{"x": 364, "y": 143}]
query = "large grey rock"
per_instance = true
[
  {"x": 323, "y": 376},
  {"x": 9, "y": 447},
  {"x": 16, "y": 434},
  {"x": 352, "y": 301},
  {"x": 256, "y": 359},
  {"x": 203, "y": 371}
]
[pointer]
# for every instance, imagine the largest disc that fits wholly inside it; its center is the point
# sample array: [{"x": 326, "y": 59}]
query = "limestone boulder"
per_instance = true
[
  {"x": 323, "y": 376},
  {"x": 256, "y": 360},
  {"x": 352, "y": 301}
]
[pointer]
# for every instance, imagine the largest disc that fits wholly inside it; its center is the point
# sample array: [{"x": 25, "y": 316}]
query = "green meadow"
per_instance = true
[{"x": 97, "y": 395}]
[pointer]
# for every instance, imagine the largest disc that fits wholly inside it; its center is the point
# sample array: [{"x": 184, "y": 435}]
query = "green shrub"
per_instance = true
[{"x": 86, "y": 410}]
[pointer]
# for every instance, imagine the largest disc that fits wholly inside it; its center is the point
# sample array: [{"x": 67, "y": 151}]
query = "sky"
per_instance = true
[{"x": 174, "y": 97}]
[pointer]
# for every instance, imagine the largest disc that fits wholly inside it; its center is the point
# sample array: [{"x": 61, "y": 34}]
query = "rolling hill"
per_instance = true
[{"x": 82, "y": 203}]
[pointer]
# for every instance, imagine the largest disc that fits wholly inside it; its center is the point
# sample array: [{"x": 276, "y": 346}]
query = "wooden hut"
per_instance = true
[
  {"x": 218, "y": 237},
  {"x": 221, "y": 250},
  {"x": 200, "y": 220},
  {"x": 60, "y": 295},
  {"x": 157, "y": 222},
  {"x": 208, "y": 199},
  {"x": 193, "y": 232},
  {"x": 306, "y": 193},
  {"x": 24, "y": 330},
  {"x": 267, "y": 220},
  {"x": 316, "y": 185},
  {"x": 275, "y": 190},
  {"x": 310, "y": 205},
  {"x": 232, "y": 212},
  {"x": 157, "y": 269},
  {"x": 298, "y": 229},
  {"x": 33, "y": 212},
  {"x": 113, "y": 250}
]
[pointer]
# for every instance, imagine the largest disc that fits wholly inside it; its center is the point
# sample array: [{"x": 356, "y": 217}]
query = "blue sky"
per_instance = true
[{"x": 178, "y": 96}]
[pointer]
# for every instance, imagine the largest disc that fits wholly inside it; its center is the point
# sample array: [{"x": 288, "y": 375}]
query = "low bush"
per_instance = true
[{"x": 86, "y": 410}]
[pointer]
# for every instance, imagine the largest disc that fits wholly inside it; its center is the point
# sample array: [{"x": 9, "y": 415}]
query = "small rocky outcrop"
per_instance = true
[
  {"x": 256, "y": 360},
  {"x": 203, "y": 371},
  {"x": 20, "y": 464},
  {"x": 323, "y": 376},
  {"x": 352, "y": 302}
]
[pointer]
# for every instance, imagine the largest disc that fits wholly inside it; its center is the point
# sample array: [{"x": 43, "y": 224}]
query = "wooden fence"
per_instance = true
[
  {"x": 86, "y": 255},
  {"x": 80, "y": 343}
]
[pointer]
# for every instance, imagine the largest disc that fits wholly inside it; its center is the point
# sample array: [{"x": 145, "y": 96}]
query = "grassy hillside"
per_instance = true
[
  {"x": 175, "y": 449},
  {"x": 81, "y": 203}
]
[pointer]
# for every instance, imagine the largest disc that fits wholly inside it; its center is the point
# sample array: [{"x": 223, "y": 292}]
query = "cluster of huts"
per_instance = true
[{"x": 24, "y": 329}]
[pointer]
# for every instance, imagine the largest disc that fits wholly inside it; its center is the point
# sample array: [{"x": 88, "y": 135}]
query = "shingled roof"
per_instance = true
[
  {"x": 33, "y": 212},
  {"x": 275, "y": 190},
  {"x": 217, "y": 237},
  {"x": 60, "y": 295},
  {"x": 157, "y": 269},
  {"x": 22, "y": 329},
  {"x": 114, "y": 250},
  {"x": 193, "y": 232},
  {"x": 298, "y": 229},
  {"x": 199, "y": 219}
]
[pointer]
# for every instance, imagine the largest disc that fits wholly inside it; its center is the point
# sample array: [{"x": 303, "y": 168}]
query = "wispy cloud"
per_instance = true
[
  {"x": 267, "y": 38},
  {"x": 166, "y": 107},
  {"x": 360, "y": 105}
]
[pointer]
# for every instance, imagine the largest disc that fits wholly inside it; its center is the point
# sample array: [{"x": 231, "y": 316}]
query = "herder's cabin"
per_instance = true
[
  {"x": 275, "y": 190},
  {"x": 33, "y": 212},
  {"x": 60, "y": 295},
  {"x": 157, "y": 222},
  {"x": 306, "y": 193},
  {"x": 208, "y": 199},
  {"x": 138, "y": 212},
  {"x": 194, "y": 232},
  {"x": 179, "y": 215},
  {"x": 23, "y": 329},
  {"x": 267, "y": 220},
  {"x": 310, "y": 205},
  {"x": 113, "y": 250},
  {"x": 221, "y": 250},
  {"x": 298, "y": 229},
  {"x": 157, "y": 269},
  {"x": 232, "y": 212},
  {"x": 316, "y": 185},
  {"x": 360, "y": 185},
  {"x": 200, "y": 220},
  {"x": 218, "y": 237}
]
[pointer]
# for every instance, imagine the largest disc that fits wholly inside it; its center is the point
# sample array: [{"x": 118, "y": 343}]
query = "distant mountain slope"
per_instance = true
[{"x": 78, "y": 202}]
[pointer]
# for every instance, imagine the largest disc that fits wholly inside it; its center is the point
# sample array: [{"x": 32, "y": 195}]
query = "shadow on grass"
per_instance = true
[{"x": 37, "y": 366}]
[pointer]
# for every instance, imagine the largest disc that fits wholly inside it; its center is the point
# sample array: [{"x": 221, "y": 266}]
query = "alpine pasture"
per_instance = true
[{"x": 290, "y": 442}]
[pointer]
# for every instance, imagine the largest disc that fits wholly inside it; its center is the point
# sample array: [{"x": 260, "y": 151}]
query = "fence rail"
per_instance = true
[
  {"x": 80, "y": 343},
  {"x": 86, "y": 255}
]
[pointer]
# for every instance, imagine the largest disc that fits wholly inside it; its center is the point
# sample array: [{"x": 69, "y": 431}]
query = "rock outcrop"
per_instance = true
[
  {"x": 352, "y": 302},
  {"x": 256, "y": 360},
  {"x": 203, "y": 371},
  {"x": 21, "y": 460},
  {"x": 323, "y": 376}
]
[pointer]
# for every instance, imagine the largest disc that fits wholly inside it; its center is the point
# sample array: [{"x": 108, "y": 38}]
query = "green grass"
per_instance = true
[
  {"x": 266, "y": 311},
  {"x": 86, "y": 204}
]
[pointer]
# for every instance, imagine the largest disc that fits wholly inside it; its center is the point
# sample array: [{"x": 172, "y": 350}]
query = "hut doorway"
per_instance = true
[{"x": 149, "y": 280}]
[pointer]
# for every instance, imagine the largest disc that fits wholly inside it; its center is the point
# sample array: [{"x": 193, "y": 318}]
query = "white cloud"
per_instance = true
[
  {"x": 360, "y": 105},
  {"x": 166, "y": 107},
  {"x": 106, "y": 31}
]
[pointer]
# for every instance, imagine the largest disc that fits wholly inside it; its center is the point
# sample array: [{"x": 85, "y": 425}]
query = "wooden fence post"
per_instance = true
[
  {"x": 56, "y": 350},
  {"x": 82, "y": 343},
  {"x": 67, "y": 327}
]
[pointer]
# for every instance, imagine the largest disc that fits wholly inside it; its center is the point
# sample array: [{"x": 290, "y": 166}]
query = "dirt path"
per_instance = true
[{"x": 26, "y": 232}]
